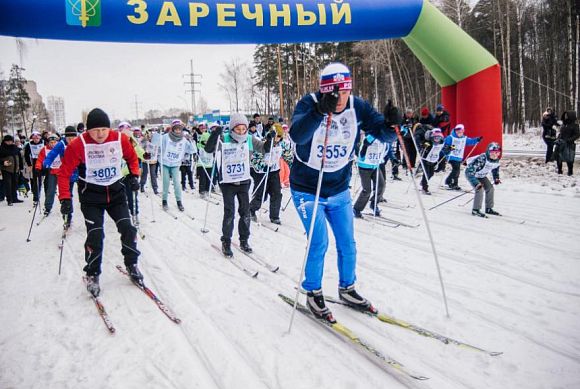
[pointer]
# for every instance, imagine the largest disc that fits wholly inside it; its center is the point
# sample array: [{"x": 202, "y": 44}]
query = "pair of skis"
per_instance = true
[
  {"x": 393, "y": 223},
  {"x": 363, "y": 345},
  {"x": 105, "y": 316}
]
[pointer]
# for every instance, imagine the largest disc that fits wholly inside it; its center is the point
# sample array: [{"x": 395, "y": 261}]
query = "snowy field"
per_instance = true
[{"x": 511, "y": 287}]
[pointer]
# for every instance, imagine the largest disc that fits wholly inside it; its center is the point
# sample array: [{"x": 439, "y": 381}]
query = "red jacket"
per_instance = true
[
  {"x": 74, "y": 157},
  {"x": 41, "y": 158}
]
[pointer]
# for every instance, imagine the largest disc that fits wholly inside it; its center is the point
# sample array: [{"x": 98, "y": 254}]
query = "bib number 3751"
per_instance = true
[{"x": 332, "y": 151}]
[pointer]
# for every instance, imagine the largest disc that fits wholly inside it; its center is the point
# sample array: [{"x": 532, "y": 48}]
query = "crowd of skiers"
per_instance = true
[{"x": 330, "y": 131}]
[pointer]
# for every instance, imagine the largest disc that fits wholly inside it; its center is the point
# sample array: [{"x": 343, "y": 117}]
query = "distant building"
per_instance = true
[{"x": 55, "y": 108}]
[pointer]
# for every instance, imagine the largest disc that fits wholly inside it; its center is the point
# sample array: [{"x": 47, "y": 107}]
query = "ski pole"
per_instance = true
[
  {"x": 257, "y": 186},
  {"x": 267, "y": 173},
  {"x": 33, "y": 216},
  {"x": 287, "y": 203},
  {"x": 313, "y": 219},
  {"x": 377, "y": 186},
  {"x": 451, "y": 199},
  {"x": 467, "y": 202},
  {"x": 213, "y": 169},
  {"x": 62, "y": 238},
  {"x": 428, "y": 227},
  {"x": 152, "y": 207}
]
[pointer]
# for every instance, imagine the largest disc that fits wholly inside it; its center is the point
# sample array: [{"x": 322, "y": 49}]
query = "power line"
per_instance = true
[{"x": 192, "y": 86}]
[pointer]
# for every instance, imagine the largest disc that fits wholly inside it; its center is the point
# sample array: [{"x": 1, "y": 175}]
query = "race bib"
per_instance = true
[
  {"x": 35, "y": 150},
  {"x": 459, "y": 144},
  {"x": 103, "y": 162},
  {"x": 433, "y": 155},
  {"x": 235, "y": 159}
]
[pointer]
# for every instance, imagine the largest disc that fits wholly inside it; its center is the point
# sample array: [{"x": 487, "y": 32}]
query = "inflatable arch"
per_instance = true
[{"x": 468, "y": 74}]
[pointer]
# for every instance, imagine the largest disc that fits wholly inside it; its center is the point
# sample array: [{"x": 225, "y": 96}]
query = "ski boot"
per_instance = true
[
  {"x": 396, "y": 178},
  {"x": 275, "y": 220},
  {"x": 315, "y": 302},
  {"x": 477, "y": 212},
  {"x": 46, "y": 212},
  {"x": 375, "y": 212},
  {"x": 93, "y": 286},
  {"x": 245, "y": 246},
  {"x": 135, "y": 274},
  {"x": 426, "y": 191},
  {"x": 253, "y": 216},
  {"x": 357, "y": 214},
  {"x": 456, "y": 187},
  {"x": 227, "y": 249},
  {"x": 164, "y": 205},
  {"x": 180, "y": 206},
  {"x": 490, "y": 211},
  {"x": 355, "y": 300}
]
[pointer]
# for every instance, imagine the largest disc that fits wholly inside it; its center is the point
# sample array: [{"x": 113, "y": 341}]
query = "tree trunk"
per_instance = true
[{"x": 519, "y": 16}]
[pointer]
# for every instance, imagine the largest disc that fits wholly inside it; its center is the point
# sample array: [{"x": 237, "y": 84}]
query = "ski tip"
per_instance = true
[
  {"x": 419, "y": 377},
  {"x": 495, "y": 353},
  {"x": 274, "y": 270},
  {"x": 255, "y": 275}
]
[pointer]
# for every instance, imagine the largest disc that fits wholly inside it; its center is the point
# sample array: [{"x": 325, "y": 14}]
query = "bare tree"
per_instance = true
[{"x": 234, "y": 80}]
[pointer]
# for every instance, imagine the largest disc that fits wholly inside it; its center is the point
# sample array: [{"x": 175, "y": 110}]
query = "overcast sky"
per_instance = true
[{"x": 109, "y": 75}]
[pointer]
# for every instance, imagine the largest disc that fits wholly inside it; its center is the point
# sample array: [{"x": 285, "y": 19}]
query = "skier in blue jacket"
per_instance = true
[
  {"x": 455, "y": 143},
  {"x": 58, "y": 152},
  {"x": 308, "y": 129}
]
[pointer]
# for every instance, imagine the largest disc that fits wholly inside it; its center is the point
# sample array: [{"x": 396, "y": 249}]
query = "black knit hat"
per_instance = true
[
  {"x": 97, "y": 118},
  {"x": 70, "y": 131},
  {"x": 8, "y": 138},
  {"x": 81, "y": 127}
]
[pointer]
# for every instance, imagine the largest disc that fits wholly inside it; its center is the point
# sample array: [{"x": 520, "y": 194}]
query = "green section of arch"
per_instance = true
[{"x": 448, "y": 52}]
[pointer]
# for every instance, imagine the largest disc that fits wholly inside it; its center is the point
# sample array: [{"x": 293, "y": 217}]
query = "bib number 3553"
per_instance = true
[{"x": 332, "y": 151}]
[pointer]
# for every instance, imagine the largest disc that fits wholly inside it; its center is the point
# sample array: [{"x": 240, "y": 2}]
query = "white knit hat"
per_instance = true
[{"x": 335, "y": 74}]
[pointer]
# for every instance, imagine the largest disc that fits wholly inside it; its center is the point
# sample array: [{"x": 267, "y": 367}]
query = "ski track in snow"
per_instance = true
[{"x": 510, "y": 287}]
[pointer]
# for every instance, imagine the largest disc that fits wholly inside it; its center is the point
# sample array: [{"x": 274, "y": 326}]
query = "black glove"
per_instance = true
[
  {"x": 365, "y": 146},
  {"x": 66, "y": 206},
  {"x": 328, "y": 102},
  {"x": 271, "y": 135},
  {"x": 479, "y": 138},
  {"x": 133, "y": 183},
  {"x": 218, "y": 129}
]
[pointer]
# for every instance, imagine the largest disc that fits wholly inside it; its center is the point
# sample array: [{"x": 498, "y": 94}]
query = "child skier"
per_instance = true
[
  {"x": 269, "y": 164},
  {"x": 31, "y": 151},
  {"x": 477, "y": 170},
  {"x": 97, "y": 153},
  {"x": 49, "y": 172},
  {"x": 150, "y": 144},
  {"x": 204, "y": 166},
  {"x": 186, "y": 173},
  {"x": 57, "y": 153},
  {"x": 233, "y": 165},
  {"x": 371, "y": 154},
  {"x": 432, "y": 150},
  {"x": 456, "y": 142},
  {"x": 173, "y": 148}
]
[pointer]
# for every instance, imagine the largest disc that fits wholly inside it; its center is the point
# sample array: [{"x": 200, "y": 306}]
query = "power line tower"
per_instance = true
[
  {"x": 192, "y": 86},
  {"x": 137, "y": 105}
]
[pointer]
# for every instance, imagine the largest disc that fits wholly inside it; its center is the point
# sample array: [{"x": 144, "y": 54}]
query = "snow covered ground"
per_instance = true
[{"x": 511, "y": 287}]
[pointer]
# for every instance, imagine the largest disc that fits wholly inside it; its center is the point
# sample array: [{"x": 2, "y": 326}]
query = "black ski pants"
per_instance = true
[
  {"x": 230, "y": 192},
  {"x": 273, "y": 189},
  {"x": 10, "y": 186},
  {"x": 452, "y": 179},
  {"x": 36, "y": 182},
  {"x": 186, "y": 174},
  {"x": 368, "y": 178},
  {"x": 94, "y": 220},
  {"x": 429, "y": 171},
  {"x": 411, "y": 151},
  {"x": 204, "y": 178}
]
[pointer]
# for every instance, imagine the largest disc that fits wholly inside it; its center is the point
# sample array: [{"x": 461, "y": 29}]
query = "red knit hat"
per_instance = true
[{"x": 424, "y": 111}]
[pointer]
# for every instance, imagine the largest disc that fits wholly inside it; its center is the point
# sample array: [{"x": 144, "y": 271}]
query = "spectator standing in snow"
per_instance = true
[
  {"x": 549, "y": 132},
  {"x": 566, "y": 142}
]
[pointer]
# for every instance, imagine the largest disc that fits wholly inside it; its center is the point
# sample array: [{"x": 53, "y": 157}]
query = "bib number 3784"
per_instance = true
[{"x": 332, "y": 151}]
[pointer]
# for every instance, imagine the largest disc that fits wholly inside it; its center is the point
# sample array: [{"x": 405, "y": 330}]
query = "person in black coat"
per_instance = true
[
  {"x": 549, "y": 132},
  {"x": 565, "y": 144},
  {"x": 11, "y": 164}
]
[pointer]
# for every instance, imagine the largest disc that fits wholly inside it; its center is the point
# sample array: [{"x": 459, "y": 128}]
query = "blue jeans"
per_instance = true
[
  {"x": 175, "y": 174},
  {"x": 337, "y": 210}
]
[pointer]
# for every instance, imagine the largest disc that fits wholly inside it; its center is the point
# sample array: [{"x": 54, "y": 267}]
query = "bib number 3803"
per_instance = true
[
  {"x": 332, "y": 151},
  {"x": 105, "y": 172}
]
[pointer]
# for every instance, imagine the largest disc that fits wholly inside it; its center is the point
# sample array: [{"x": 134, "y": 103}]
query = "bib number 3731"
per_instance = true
[
  {"x": 332, "y": 151},
  {"x": 235, "y": 168}
]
